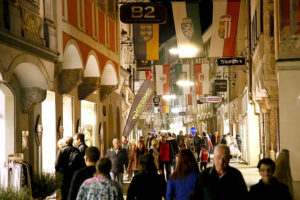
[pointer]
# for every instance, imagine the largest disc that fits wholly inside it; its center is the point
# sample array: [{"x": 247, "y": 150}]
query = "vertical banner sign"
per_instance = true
[
  {"x": 162, "y": 79},
  {"x": 188, "y": 29},
  {"x": 141, "y": 99},
  {"x": 224, "y": 28},
  {"x": 143, "y": 65},
  {"x": 146, "y": 41},
  {"x": 199, "y": 78}
]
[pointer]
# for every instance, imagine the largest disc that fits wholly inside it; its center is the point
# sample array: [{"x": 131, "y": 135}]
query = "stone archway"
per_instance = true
[
  {"x": 72, "y": 66},
  {"x": 109, "y": 80},
  {"x": 91, "y": 77}
]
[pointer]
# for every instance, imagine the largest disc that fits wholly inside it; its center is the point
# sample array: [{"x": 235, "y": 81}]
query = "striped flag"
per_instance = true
[
  {"x": 201, "y": 72},
  {"x": 146, "y": 41},
  {"x": 162, "y": 79},
  {"x": 188, "y": 29},
  {"x": 224, "y": 28},
  {"x": 182, "y": 73}
]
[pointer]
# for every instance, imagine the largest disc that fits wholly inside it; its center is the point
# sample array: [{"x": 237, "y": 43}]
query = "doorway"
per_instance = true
[{"x": 88, "y": 122}]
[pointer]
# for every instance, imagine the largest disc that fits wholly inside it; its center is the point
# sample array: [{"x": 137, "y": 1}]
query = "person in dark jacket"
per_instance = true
[
  {"x": 149, "y": 140},
  {"x": 269, "y": 187},
  {"x": 135, "y": 156},
  {"x": 147, "y": 185},
  {"x": 80, "y": 143},
  {"x": 68, "y": 160},
  {"x": 119, "y": 158},
  {"x": 216, "y": 182},
  {"x": 92, "y": 155},
  {"x": 197, "y": 145}
]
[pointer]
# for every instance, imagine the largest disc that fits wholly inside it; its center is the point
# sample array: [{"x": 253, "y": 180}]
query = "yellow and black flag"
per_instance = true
[{"x": 146, "y": 41}]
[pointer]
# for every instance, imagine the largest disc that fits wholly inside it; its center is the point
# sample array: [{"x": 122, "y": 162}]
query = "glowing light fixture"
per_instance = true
[
  {"x": 169, "y": 97},
  {"x": 185, "y": 83},
  {"x": 174, "y": 51}
]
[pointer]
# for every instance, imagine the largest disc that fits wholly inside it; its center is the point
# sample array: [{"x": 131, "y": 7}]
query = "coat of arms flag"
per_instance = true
[
  {"x": 188, "y": 29},
  {"x": 146, "y": 41},
  {"x": 224, "y": 28}
]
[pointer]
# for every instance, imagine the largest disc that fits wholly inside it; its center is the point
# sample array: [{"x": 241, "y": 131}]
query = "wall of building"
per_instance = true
[{"x": 289, "y": 100}]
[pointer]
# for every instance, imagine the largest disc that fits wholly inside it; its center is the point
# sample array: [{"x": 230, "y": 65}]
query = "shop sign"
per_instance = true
[
  {"x": 156, "y": 100},
  {"x": 143, "y": 13},
  {"x": 221, "y": 85},
  {"x": 211, "y": 99},
  {"x": 140, "y": 102},
  {"x": 193, "y": 130},
  {"x": 231, "y": 61}
]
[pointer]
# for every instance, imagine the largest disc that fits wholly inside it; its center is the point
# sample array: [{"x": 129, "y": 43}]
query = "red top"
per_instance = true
[
  {"x": 204, "y": 155},
  {"x": 164, "y": 152}
]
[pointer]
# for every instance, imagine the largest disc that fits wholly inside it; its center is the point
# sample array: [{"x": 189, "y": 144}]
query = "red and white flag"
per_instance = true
[
  {"x": 224, "y": 28},
  {"x": 201, "y": 72},
  {"x": 162, "y": 79}
]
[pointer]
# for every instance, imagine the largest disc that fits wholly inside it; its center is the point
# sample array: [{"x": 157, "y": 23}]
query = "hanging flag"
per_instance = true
[
  {"x": 204, "y": 78},
  {"x": 140, "y": 102},
  {"x": 224, "y": 28},
  {"x": 149, "y": 75},
  {"x": 162, "y": 79},
  {"x": 146, "y": 41},
  {"x": 182, "y": 73},
  {"x": 188, "y": 29}
]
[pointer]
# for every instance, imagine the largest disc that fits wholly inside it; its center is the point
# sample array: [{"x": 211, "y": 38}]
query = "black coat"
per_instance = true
[
  {"x": 275, "y": 191},
  {"x": 118, "y": 160},
  {"x": 210, "y": 187},
  {"x": 147, "y": 186},
  {"x": 78, "y": 178},
  {"x": 68, "y": 160}
]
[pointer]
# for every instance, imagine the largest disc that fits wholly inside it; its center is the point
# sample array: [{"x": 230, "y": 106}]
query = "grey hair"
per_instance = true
[{"x": 225, "y": 148}]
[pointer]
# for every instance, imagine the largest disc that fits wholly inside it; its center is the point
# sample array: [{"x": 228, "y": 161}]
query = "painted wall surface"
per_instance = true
[
  {"x": 289, "y": 111},
  {"x": 253, "y": 136}
]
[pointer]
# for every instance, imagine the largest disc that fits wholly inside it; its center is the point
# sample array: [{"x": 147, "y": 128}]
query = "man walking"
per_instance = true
[
  {"x": 216, "y": 182},
  {"x": 119, "y": 158},
  {"x": 80, "y": 143},
  {"x": 69, "y": 160},
  {"x": 92, "y": 155}
]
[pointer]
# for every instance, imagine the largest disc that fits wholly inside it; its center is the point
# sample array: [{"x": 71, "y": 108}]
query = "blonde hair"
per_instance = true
[{"x": 154, "y": 142}]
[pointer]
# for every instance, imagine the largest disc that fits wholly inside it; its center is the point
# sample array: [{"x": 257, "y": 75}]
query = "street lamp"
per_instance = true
[{"x": 185, "y": 83}]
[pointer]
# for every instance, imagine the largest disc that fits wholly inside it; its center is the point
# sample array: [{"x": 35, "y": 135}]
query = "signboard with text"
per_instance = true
[
  {"x": 210, "y": 99},
  {"x": 221, "y": 85},
  {"x": 143, "y": 13},
  {"x": 231, "y": 61}
]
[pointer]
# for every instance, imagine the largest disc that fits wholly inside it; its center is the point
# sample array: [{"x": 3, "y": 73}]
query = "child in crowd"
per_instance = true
[{"x": 204, "y": 157}]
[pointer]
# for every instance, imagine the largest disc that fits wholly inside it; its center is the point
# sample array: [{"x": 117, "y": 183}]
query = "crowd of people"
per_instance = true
[{"x": 162, "y": 166}]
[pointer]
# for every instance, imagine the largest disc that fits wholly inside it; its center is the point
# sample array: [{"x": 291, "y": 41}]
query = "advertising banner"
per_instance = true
[{"x": 140, "y": 102}]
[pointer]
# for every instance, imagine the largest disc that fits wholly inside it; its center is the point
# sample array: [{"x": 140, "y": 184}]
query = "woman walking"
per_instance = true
[{"x": 182, "y": 181}]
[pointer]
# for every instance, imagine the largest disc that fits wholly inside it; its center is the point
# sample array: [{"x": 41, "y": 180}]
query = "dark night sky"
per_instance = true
[{"x": 167, "y": 30}]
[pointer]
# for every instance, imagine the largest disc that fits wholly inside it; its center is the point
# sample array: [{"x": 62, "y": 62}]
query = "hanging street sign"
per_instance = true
[
  {"x": 156, "y": 100},
  {"x": 193, "y": 131},
  {"x": 143, "y": 13},
  {"x": 210, "y": 99},
  {"x": 221, "y": 85},
  {"x": 231, "y": 61}
]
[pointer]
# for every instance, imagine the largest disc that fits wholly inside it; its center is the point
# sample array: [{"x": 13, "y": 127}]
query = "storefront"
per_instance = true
[{"x": 88, "y": 122}]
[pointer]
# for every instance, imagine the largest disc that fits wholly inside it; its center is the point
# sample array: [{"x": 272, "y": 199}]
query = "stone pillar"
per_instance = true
[{"x": 266, "y": 130}]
